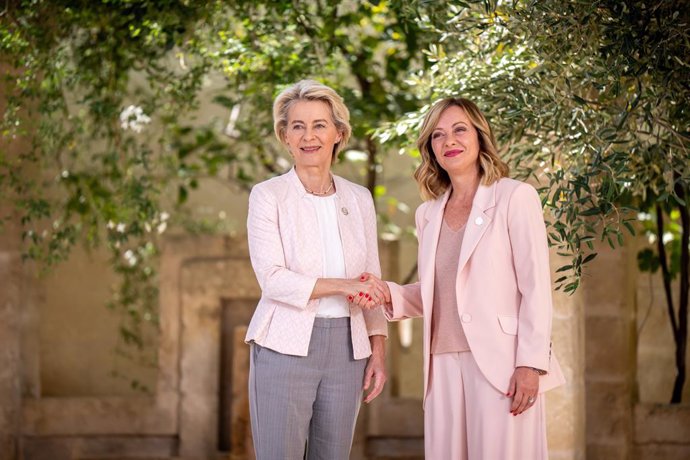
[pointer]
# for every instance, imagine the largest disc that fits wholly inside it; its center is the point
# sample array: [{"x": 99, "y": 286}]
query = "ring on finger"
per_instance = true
[{"x": 530, "y": 400}]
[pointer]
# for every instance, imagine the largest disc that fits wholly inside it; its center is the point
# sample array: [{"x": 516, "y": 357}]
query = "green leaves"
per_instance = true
[
  {"x": 585, "y": 98},
  {"x": 90, "y": 94},
  {"x": 648, "y": 260}
]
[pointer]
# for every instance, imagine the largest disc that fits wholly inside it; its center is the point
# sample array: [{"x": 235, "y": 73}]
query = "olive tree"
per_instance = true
[{"x": 591, "y": 97}]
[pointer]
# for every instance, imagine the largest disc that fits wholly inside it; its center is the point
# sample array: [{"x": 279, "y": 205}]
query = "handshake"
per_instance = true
[{"x": 368, "y": 291}]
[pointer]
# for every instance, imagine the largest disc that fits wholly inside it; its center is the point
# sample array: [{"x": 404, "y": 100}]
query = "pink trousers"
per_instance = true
[{"x": 466, "y": 418}]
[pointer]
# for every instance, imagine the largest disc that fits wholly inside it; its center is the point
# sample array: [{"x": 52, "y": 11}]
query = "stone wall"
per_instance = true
[
  {"x": 77, "y": 336},
  {"x": 629, "y": 367},
  {"x": 201, "y": 280},
  {"x": 10, "y": 339},
  {"x": 14, "y": 299},
  {"x": 610, "y": 363},
  {"x": 565, "y": 405},
  {"x": 662, "y": 431},
  {"x": 655, "y": 345},
  {"x": 594, "y": 334}
]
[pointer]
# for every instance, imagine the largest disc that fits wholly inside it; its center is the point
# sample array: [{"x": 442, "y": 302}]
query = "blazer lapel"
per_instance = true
[
  {"x": 478, "y": 222},
  {"x": 430, "y": 234}
]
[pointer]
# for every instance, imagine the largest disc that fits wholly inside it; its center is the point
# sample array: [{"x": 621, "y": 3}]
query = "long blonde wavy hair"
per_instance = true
[{"x": 432, "y": 179}]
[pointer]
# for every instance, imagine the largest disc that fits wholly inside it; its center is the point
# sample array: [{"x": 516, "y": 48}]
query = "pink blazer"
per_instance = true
[
  {"x": 285, "y": 251},
  {"x": 503, "y": 284}
]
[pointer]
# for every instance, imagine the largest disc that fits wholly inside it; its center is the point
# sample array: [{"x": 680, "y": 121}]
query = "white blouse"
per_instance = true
[{"x": 332, "y": 255}]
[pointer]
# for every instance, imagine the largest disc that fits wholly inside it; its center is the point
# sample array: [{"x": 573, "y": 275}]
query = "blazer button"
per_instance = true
[
  {"x": 478, "y": 221},
  {"x": 466, "y": 318}
]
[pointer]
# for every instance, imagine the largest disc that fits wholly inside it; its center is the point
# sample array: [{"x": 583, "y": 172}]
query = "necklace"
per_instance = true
[{"x": 330, "y": 187}]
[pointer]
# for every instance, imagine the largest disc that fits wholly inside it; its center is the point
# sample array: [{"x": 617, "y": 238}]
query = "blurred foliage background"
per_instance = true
[{"x": 588, "y": 99}]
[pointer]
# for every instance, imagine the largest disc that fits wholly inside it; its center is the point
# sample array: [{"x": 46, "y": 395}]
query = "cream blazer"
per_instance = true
[
  {"x": 286, "y": 254},
  {"x": 503, "y": 283}
]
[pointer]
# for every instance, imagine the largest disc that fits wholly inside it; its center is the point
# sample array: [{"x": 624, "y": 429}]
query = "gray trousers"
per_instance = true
[{"x": 306, "y": 406}]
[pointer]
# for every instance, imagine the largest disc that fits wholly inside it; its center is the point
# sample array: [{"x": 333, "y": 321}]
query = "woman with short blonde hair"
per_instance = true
[
  {"x": 310, "y": 90},
  {"x": 318, "y": 333}
]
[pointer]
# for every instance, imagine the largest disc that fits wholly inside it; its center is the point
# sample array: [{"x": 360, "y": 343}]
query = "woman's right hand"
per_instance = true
[
  {"x": 377, "y": 289},
  {"x": 365, "y": 292}
]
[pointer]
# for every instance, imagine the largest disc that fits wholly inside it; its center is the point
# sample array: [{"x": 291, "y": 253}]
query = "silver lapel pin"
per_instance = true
[{"x": 344, "y": 210}]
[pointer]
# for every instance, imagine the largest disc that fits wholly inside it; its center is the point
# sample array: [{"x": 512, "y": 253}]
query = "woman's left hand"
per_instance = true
[
  {"x": 524, "y": 389},
  {"x": 376, "y": 368}
]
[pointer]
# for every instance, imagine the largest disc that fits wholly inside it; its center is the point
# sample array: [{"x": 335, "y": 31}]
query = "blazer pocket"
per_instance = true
[{"x": 509, "y": 324}]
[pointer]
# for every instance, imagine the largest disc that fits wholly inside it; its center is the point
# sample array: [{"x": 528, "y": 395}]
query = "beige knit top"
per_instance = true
[{"x": 446, "y": 331}]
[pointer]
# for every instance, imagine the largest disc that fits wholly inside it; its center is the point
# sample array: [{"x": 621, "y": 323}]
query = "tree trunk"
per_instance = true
[
  {"x": 371, "y": 164},
  {"x": 681, "y": 334},
  {"x": 365, "y": 87}
]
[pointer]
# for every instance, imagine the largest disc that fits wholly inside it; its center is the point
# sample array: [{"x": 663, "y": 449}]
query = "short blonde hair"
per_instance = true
[
  {"x": 432, "y": 179},
  {"x": 310, "y": 90}
]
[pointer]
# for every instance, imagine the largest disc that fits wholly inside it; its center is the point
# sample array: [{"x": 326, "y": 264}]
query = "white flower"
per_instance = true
[
  {"x": 356, "y": 155},
  {"x": 121, "y": 227},
  {"x": 133, "y": 117},
  {"x": 130, "y": 257},
  {"x": 230, "y": 129}
]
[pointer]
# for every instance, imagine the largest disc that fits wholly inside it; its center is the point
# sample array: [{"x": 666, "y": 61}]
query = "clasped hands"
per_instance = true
[{"x": 368, "y": 292}]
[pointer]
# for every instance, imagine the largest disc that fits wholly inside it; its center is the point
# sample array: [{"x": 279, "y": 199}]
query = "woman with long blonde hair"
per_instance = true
[{"x": 484, "y": 292}]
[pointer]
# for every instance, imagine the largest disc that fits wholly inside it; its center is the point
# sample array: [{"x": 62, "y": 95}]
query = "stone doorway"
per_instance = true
[{"x": 234, "y": 428}]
